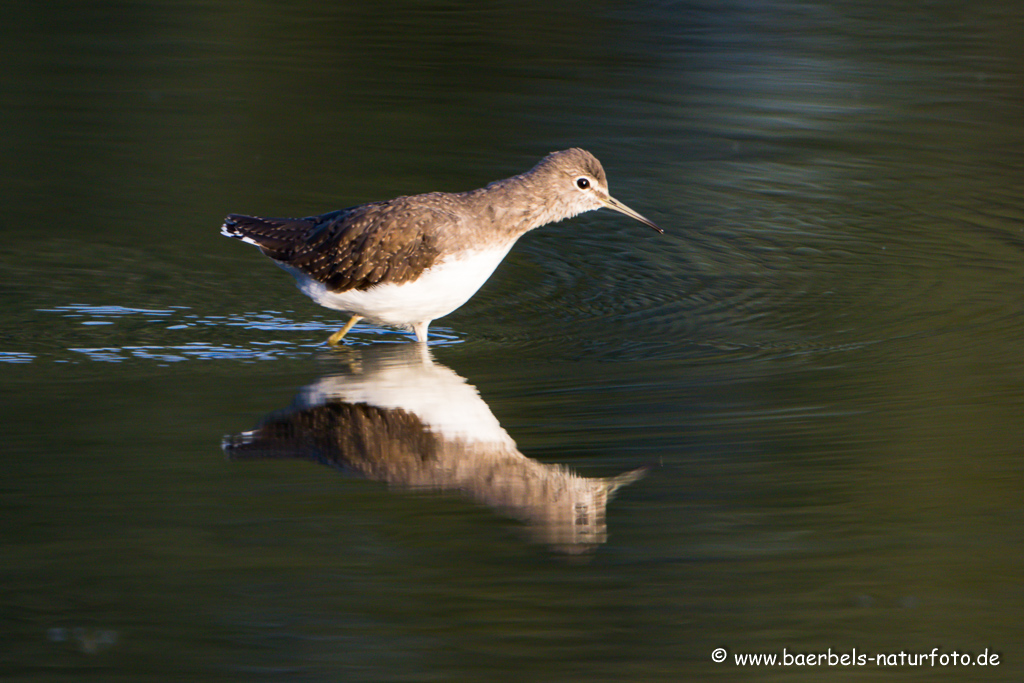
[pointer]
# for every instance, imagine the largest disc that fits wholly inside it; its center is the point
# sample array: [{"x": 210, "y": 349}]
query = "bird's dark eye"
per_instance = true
[{"x": 582, "y": 183}]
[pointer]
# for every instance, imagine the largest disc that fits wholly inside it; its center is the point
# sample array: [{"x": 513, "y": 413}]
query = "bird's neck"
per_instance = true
[{"x": 513, "y": 206}]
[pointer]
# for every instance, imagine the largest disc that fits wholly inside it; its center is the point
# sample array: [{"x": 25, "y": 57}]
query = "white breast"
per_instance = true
[{"x": 437, "y": 292}]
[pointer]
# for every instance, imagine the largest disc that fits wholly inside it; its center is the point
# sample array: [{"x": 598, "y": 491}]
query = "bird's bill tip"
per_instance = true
[{"x": 615, "y": 205}]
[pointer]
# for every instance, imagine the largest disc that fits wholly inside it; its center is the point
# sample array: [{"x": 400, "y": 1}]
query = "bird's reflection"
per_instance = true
[{"x": 397, "y": 416}]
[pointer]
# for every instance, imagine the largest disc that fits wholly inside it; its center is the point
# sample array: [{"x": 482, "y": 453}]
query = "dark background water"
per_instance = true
[{"x": 820, "y": 360}]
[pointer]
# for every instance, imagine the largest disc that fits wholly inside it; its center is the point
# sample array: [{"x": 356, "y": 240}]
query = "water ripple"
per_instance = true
[{"x": 224, "y": 336}]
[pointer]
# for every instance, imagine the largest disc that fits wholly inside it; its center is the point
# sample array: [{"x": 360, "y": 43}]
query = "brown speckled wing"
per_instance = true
[{"x": 354, "y": 248}]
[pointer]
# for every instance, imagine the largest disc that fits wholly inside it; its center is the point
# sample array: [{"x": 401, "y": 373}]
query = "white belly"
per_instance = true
[{"x": 437, "y": 292}]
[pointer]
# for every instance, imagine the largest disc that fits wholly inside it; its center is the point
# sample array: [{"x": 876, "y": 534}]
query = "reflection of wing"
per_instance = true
[
  {"x": 377, "y": 443},
  {"x": 409, "y": 422}
]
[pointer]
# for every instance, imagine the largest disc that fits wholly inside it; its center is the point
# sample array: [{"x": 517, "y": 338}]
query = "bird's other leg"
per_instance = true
[
  {"x": 421, "y": 330},
  {"x": 336, "y": 337}
]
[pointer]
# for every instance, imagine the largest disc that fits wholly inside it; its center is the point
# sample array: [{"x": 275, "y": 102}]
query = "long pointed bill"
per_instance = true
[{"x": 615, "y": 205}]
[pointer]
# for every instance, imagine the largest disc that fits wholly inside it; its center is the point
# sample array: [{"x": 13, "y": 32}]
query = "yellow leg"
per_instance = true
[{"x": 336, "y": 337}]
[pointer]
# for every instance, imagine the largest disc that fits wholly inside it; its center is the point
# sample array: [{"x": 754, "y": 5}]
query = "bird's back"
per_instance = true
[{"x": 358, "y": 247}]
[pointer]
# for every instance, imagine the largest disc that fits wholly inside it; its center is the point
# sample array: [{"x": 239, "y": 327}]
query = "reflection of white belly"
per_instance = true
[
  {"x": 437, "y": 292},
  {"x": 445, "y": 403}
]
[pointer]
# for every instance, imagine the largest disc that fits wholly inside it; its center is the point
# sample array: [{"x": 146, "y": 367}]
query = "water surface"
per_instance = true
[{"x": 817, "y": 369}]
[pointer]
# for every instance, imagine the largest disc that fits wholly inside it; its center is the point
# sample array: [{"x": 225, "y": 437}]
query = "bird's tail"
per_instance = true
[{"x": 275, "y": 236}]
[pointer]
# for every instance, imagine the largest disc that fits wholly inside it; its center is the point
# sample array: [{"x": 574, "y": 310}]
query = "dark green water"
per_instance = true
[{"x": 820, "y": 364}]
